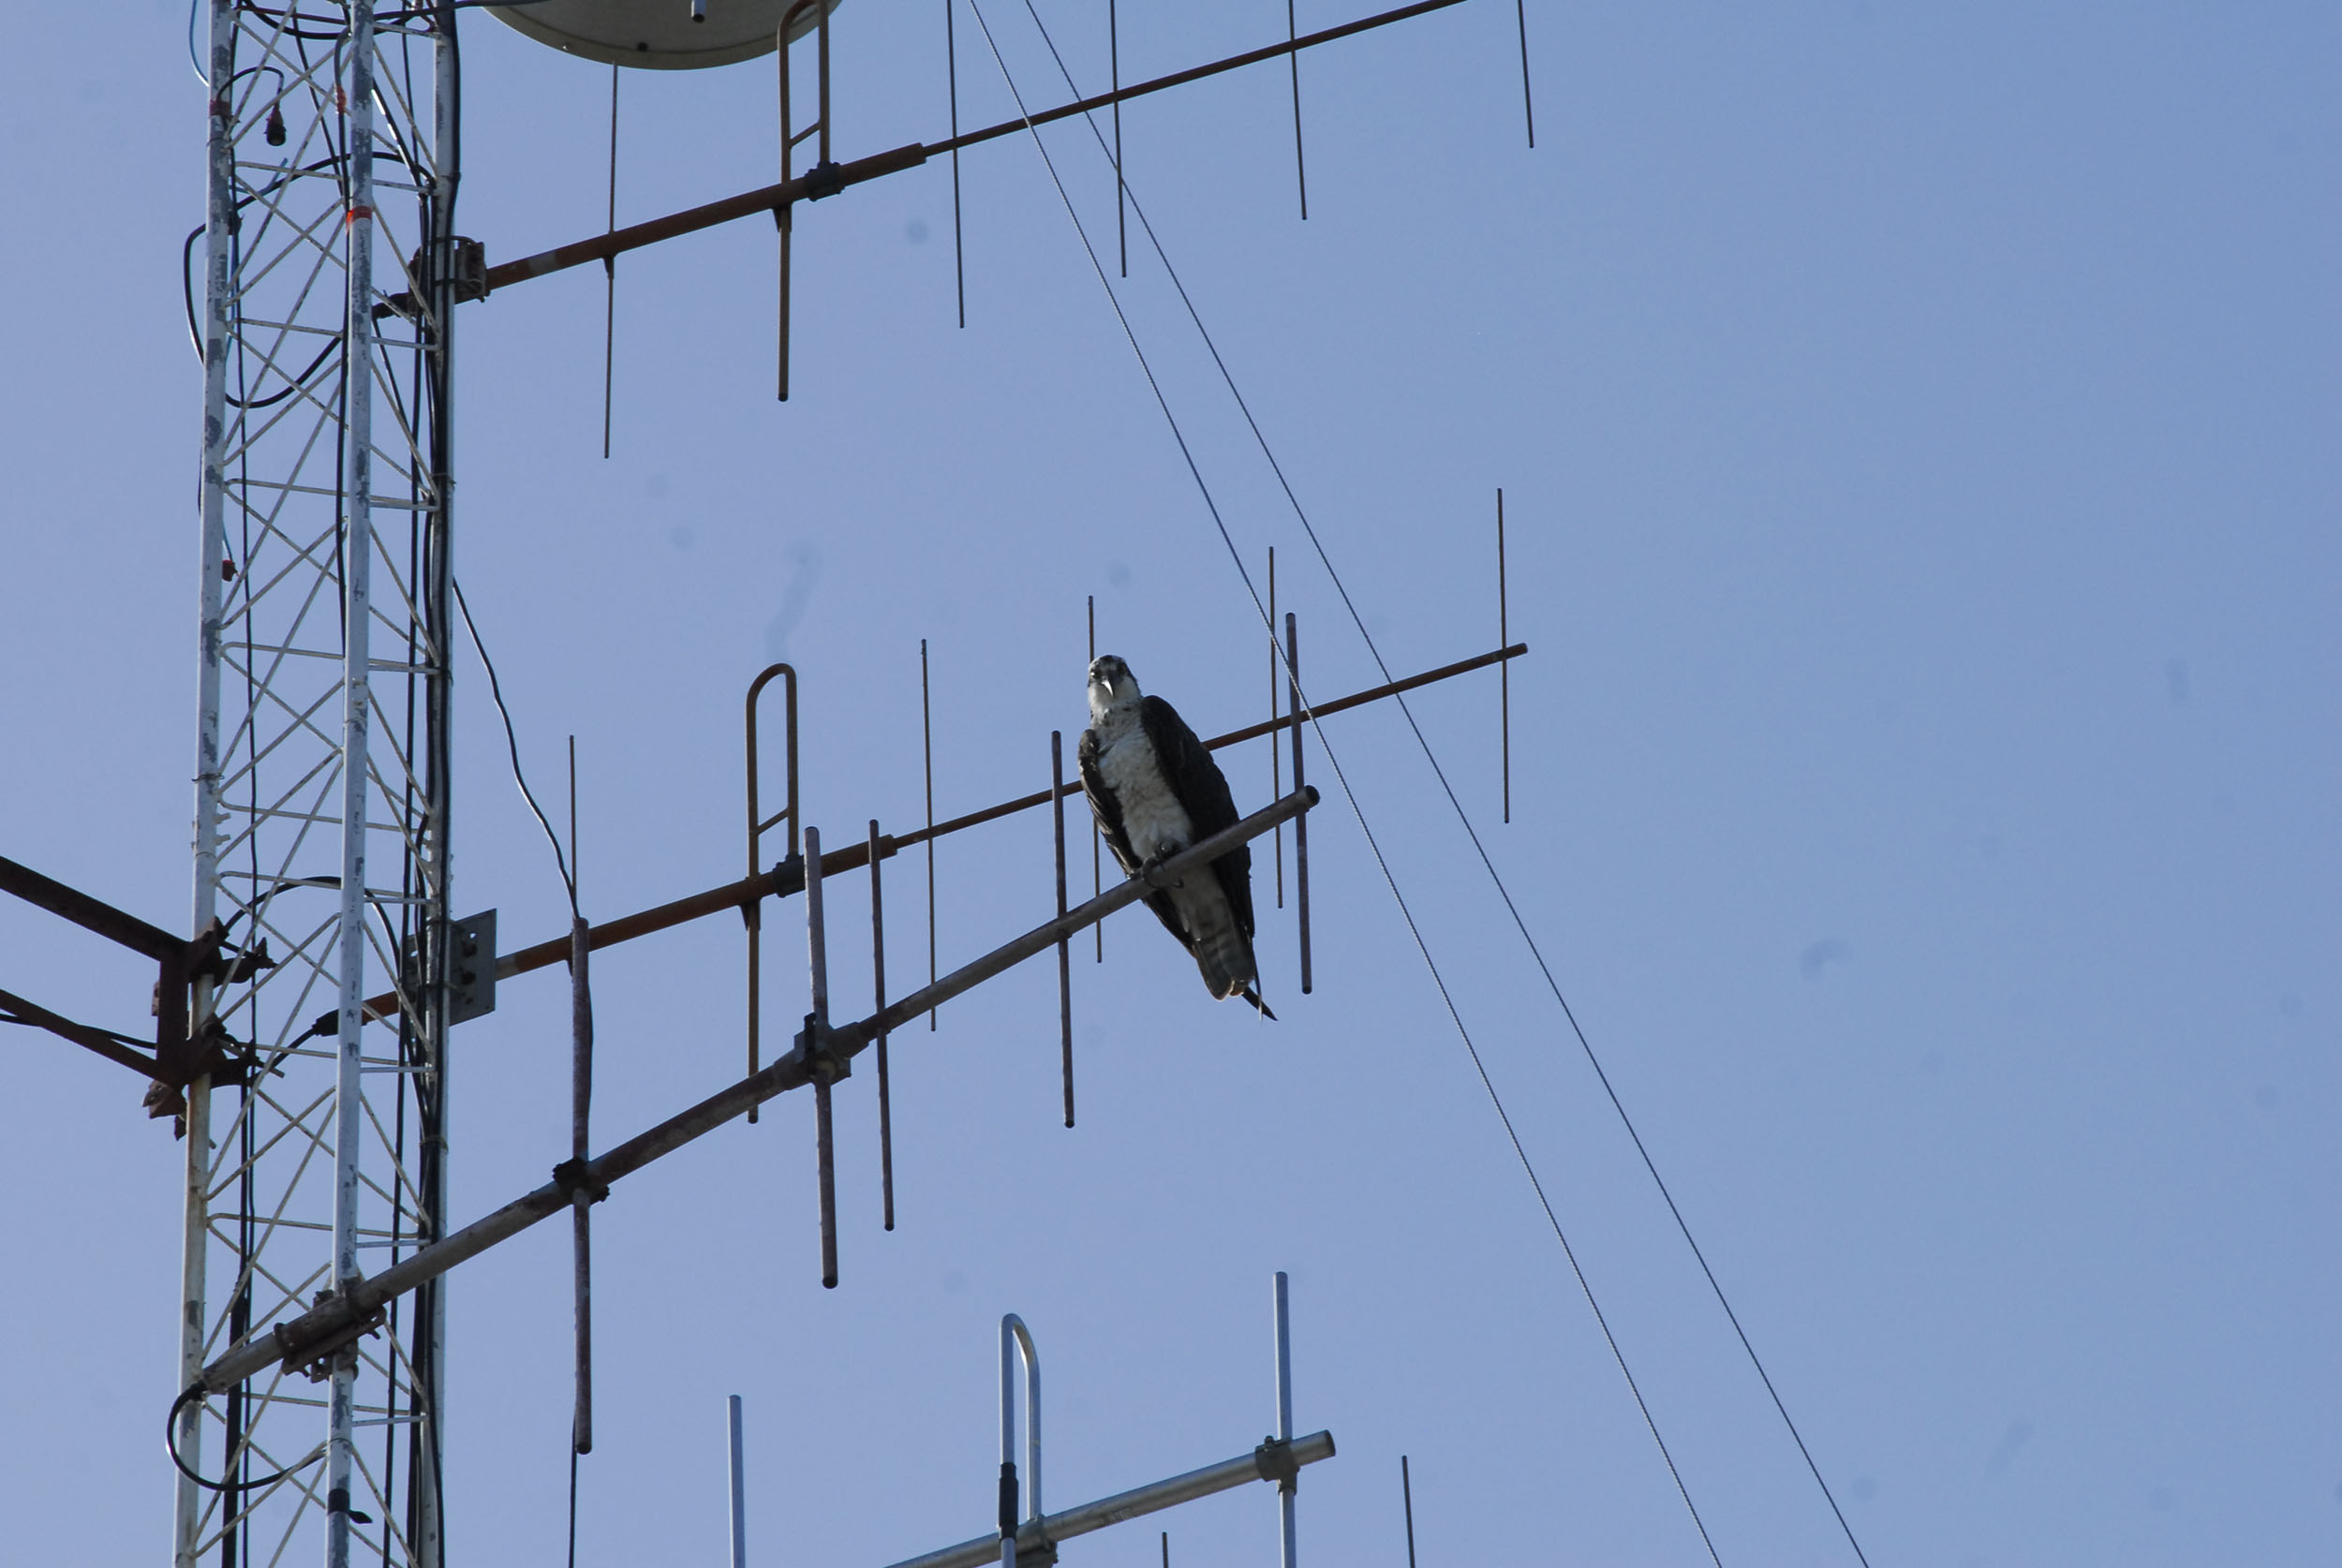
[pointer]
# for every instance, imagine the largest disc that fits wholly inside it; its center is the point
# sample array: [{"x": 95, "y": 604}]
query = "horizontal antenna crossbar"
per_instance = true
[
  {"x": 289, "y": 1342},
  {"x": 790, "y": 877},
  {"x": 823, "y": 182},
  {"x": 1262, "y": 1464}
]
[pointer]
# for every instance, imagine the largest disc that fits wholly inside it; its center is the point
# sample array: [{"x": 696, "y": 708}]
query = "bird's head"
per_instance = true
[{"x": 1110, "y": 683}]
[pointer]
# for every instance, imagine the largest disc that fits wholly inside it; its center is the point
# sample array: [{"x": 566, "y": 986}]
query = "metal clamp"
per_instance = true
[
  {"x": 314, "y": 1358},
  {"x": 822, "y": 1060},
  {"x": 576, "y": 1175},
  {"x": 1274, "y": 1460},
  {"x": 826, "y": 178}
]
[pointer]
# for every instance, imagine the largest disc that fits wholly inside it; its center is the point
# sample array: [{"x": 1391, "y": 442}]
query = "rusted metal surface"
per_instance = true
[
  {"x": 829, "y": 178},
  {"x": 1373, "y": 694},
  {"x": 1296, "y": 715},
  {"x": 926, "y": 774},
  {"x": 581, "y": 1221},
  {"x": 769, "y": 198},
  {"x": 878, "y": 1006},
  {"x": 178, "y": 1059},
  {"x": 823, "y": 170},
  {"x": 1097, "y": 885},
  {"x": 1193, "y": 73},
  {"x": 90, "y": 913},
  {"x": 1301, "y": 169},
  {"x": 1503, "y": 669},
  {"x": 1064, "y": 946},
  {"x": 289, "y": 1341},
  {"x": 113, "y": 1047},
  {"x": 789, "y": 877},
  {"x": 1251, "y": 732},
  {"x": 827, "y": 1066},
  {"x": 1276, "y": 696}
]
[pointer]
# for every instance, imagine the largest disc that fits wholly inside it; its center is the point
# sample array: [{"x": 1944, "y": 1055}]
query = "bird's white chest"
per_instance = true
[{"x": 1152, "y": 818}]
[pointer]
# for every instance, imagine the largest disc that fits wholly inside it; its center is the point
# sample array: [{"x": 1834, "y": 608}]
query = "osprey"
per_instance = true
[{"x": 1155, "y": 792}]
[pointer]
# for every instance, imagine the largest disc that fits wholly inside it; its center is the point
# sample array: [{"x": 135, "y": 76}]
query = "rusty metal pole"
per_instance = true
[
  {"x": 1504, "y": 667},
  {"x": 951, "y": 77},
  {"x": 878, "y": 1007},
  {"x": 1276, "y": 758},
  {"x": 1121, "y": 222},
  {"x": 783, "y": 214},
  {"x": 816, "y": 1030},
  {"x": 1097, "y": 932},
  {"x": 581, "y": 1200},
  {"x": 1064, "y": 946},
  {"x": 927, "y": 764},
  {"x": 1293, "y": 58},
  {"x": 297, "y": 1340},
  {"x": 1300, "y": 825},
  {"x": 581, "y": 1139},
  {"x": 821, "y": 52}
]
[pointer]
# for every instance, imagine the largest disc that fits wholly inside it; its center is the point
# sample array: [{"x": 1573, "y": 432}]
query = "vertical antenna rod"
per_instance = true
[
  {"x": 816, "y": 1031},
  {"x": 1276, "y": 758},
  {"x": 959, "y": 263},
  {"x": 1098, "y": 931},
  {"x": 1121, "y": 224},
  {"x": 1300, "y": 827},
  {"x": 581, "y": 1109},
  {"x": 878, "y": 1007},
  {"x": 1301, "y": 174},
  {"x": 784, "y": 218},
  {"x": 1064, "y": 944},
  {"x": 926, "y": 753},
  {"x": 1285, "y": 1417},
  {"x": 739, "y": 1491},
  {"x": 610, "y": 272},
  {"x": 1504, "y": 666},
  {"x": 1528, "y": 115},
  {"x": 1406, "y": 1497}
]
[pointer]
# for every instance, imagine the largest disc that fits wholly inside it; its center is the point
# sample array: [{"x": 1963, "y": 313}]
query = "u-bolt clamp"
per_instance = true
[
  {"x": 822, "y": 1059},
  {"x": 314, "y": 1357},
  {"x": 1274, "y": 1461}
]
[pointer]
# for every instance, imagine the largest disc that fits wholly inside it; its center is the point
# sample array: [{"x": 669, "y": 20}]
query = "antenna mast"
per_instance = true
[{"x": 314, "y": 1136}]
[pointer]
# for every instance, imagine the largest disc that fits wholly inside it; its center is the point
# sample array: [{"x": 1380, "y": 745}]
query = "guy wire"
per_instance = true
[
  {"x": 1502, "y": 892},
  {"x": 1348, "y": 794}
]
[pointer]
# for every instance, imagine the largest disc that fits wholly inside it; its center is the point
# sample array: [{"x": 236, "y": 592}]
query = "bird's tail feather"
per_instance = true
[{"x": 1221, "y": 951}]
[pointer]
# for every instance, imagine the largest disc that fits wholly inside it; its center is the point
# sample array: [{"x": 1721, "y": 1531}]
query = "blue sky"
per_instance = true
[{"x": 1918, "y": 429}]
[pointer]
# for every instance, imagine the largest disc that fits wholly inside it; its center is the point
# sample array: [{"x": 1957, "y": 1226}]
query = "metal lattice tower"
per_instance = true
[{"x": 317, "y": 1151}]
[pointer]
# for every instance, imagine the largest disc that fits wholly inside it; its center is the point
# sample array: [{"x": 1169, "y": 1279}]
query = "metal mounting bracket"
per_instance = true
[{"x": 314, "y": 1358}]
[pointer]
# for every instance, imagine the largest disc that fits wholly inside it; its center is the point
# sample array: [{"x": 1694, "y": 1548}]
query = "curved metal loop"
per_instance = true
[{"x": 1016, "y": 1340}]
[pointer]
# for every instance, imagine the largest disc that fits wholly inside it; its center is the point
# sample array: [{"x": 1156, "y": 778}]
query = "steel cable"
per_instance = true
[
  {"x": 1519, "y": 924},
  {"x": 1391, "y": 880}
]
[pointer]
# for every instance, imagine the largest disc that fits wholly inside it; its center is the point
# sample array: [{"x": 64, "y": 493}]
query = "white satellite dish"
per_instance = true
[{"x": 660, "y": 34}]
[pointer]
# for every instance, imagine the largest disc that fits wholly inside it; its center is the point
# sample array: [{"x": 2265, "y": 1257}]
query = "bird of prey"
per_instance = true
[{"x": 1155, "y": 792}]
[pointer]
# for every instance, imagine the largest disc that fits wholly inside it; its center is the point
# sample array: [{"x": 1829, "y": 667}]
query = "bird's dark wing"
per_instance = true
[
  {"x": 1110, "y": 814},
  {"x": 1203, "y": 793}
]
